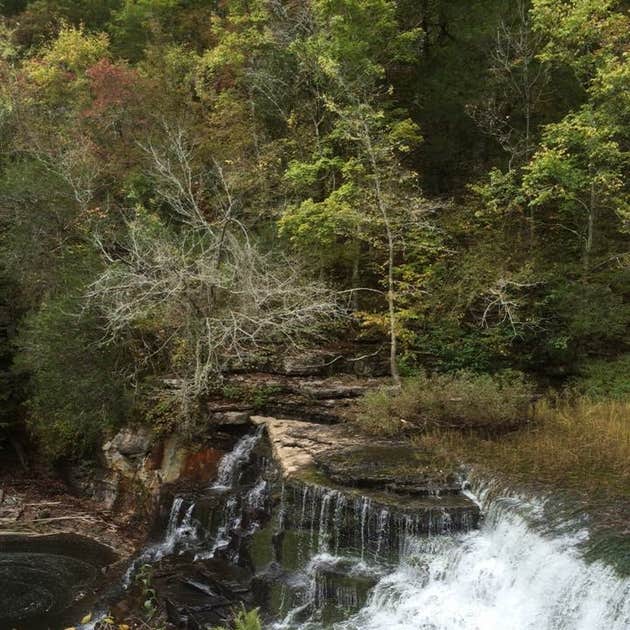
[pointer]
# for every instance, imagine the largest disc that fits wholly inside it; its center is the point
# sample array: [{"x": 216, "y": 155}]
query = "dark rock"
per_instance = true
[
  {"x": 397, "y": 467},
  {"x": 204, "y": 593}
]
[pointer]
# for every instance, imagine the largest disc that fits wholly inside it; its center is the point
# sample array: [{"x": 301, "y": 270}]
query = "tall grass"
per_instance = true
[{"x": 573, "y": 443}]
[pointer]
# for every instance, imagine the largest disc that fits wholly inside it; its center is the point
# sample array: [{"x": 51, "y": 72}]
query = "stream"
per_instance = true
[{"x": 313, "y": 557}]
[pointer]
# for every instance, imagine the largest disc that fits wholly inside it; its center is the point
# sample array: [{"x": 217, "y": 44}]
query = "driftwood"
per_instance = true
[{"x": 70, "y": 517}]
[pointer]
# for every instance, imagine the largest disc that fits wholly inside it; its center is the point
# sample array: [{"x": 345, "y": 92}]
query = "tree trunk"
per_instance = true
[
  {"x": 393, "y": 342},
  {"x": 355, "y": 275}
]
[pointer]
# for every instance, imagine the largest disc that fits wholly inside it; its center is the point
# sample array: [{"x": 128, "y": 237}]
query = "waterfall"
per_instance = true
[
  {"x": 334, "y": 559},
  {"x": 181, "y": 532},
  {"x": 505, "y": 576},
  {"x": 232, "y": 463}
]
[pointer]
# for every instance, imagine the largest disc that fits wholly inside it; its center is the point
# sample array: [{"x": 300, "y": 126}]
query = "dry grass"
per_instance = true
[{"x": 577, "y": 444}]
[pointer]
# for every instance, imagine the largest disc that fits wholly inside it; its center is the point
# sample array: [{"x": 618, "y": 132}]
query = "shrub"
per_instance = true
[
  {"x": 605, "y": 380},
  {"x": 245, "y": 620},
  {"x": 455, "y": 400}
]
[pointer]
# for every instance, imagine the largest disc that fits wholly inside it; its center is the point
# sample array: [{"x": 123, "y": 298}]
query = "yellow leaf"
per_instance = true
[{"x": 87, "y": 618}]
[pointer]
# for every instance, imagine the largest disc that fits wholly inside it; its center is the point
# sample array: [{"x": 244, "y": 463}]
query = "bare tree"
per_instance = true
[
  {"x": 519, "y": 81},
  {"x": 503, "y": 304},
  {"x": 213, "y": 295}
]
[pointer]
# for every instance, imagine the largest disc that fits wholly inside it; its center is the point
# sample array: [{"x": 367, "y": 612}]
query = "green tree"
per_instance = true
[
  {"x": 579, "y": 172},
  {"x": 75, "y": 395}
]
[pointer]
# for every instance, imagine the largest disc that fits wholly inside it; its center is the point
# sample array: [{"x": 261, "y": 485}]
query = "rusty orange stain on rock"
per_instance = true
[{"x": 202, "y": 465}]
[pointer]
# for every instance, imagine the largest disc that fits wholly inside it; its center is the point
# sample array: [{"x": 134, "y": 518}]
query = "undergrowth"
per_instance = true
[
  {"x": 455, "y": 400},
  {"x": 570, "y": 440}
]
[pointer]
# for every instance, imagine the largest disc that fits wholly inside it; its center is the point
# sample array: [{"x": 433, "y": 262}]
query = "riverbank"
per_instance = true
[{"x": 42, "y": 503}]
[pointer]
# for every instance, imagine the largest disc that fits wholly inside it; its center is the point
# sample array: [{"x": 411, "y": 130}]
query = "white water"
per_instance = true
[
  {"x": 505, "y": 576},
  {"x": 519, "y": 571},
  {"x": 229, "y": 474},
  {"x": 180, "y": 532},
  {"x": 232, "y": 463}
]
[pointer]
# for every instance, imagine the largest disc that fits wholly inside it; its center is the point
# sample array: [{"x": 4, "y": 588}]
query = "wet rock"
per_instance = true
[
  {"x": 137, "y": 468},
  {"x": 385, "y": 472},
  {"x": 202, "y": 594},
  {"x": 201, "y": 465},
  {"x": 398, "y": 467}
]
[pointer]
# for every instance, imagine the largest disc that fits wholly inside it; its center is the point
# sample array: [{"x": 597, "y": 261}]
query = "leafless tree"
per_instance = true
[
  {"x": 214, "y": 296},
  {"x": 519, "y": 82},
  {"x": 503, "y": 304}
]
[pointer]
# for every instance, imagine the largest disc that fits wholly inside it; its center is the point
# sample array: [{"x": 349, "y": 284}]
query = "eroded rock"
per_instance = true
[
  {"x": 387, "y": 472},
  {"x": 138, "y": 465}
]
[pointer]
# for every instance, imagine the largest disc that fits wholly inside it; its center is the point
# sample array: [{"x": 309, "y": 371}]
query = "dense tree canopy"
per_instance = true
[{"x": 449, "y": 177}]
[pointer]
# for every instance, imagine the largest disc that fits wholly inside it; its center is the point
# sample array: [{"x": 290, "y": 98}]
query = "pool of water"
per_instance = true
[{"x": 45, "y": 581}]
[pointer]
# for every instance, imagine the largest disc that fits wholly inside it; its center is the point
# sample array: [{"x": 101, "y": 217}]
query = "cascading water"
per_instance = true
[
  {"x": 232, "y": 463},
  {"x": 334, "y": 559},
  {"x": 183, "y": 532},
  {"x": 505, "y": 576},
  {"x": 516, "y": 572}
]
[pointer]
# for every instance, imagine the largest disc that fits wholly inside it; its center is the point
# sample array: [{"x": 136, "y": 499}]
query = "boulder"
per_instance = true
[{"x": 131, "y": 442}]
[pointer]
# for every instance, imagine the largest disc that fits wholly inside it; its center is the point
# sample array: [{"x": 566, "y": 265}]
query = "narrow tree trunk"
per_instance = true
[
  {"x": 393, "y": 342},
  {"x": 590, "y": 227},
  {"x": 355, "y": 275}
]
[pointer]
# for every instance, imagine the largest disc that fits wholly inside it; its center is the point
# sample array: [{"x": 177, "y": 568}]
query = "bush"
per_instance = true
[
  {"x": 245, "y": 620},
  {"x": 605, "y": 380},
  {"x": 455, "y": 400}
]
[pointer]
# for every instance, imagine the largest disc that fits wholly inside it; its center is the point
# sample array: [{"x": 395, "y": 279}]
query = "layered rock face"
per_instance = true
[
  {"x": 310, "y": 514},
  {"x": 327, "y": 400},
  {"x": 392, "y": 476},
  {"x": 137, "y": 464}
]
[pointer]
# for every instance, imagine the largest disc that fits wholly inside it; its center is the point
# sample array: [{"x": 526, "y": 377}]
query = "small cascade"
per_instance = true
[
  {"x": 337, "y": 521},
  {"x": 257, "y": 496},
  {"x": 180, "y": 535},
  {"x": 231, "y": 464},
  {"x": 184, "y": 532}
]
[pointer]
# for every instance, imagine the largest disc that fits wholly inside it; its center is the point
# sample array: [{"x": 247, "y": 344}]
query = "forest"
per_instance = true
[
  {"x": 359, "y": 270},
  {"x": 186, "y": 184}
]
